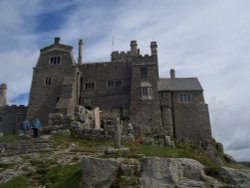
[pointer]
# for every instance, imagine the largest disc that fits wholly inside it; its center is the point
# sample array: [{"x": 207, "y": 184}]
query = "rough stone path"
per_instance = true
[{"x": 17, "y": 158}]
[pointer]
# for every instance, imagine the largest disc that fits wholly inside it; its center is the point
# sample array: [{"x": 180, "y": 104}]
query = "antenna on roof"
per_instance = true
[{"x": 113, "y": 43}]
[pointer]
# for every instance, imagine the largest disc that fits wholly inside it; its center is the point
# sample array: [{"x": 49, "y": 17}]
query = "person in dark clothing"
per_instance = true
[{"x": 36, "y": 125}]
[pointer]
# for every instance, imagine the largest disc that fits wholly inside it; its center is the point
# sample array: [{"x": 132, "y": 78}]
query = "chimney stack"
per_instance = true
[
  {"x": 3, "y": 92},
  {"x": 172, "y": 73},
  {"x": 57, "y": 40},
  {"x": 133, "y": 47},
  {"x": 153, "y": 47},
  {"x": 80, "y": 46}
]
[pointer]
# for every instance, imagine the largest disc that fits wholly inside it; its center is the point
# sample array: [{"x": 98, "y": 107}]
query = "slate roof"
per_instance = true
[{"x": 179, "y": 84}]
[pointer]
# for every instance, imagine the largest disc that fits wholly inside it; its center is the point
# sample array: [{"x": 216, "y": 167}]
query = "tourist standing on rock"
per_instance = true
[
  {"x": 25, "y": 126},
  {"x": 36, "y": 125}
]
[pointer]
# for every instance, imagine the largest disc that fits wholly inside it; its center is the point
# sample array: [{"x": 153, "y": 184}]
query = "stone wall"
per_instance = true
[
  {"x": 103, "y": 95},
  {"x": 191, "y": 119},
  {"x": 11, "y": 117}
]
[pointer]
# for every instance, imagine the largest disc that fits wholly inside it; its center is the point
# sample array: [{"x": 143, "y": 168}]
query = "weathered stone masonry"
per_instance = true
[{"x": 128, "y": 84}]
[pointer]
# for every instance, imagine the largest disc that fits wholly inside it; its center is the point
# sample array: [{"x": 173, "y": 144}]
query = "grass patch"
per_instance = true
[
  {"x": 6, "y": 165},
  {"x": 159, "y": 151},
  {"x": 20, "y": 182},
  {"x": 163, "y": 151},
  {"x": 8, "y": 138},
  {"x": 59, "y": 140},
  {"x": 56, "y": 177},
  {"x": 59, "y": 176}
]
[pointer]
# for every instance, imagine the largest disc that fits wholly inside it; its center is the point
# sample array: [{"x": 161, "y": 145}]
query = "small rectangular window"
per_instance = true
[
  {"x": 110, "y": 84},
  {"x": 146, "y": 91},
  {"x": 47, "y": 81},
  {"x": 89, "y": 86},
  {"x": 185, "y": 98},
  {"x": 1, "y": 119},
  {"x": 55, "y": 60},
  {"x": 144, "y": 72},
  {"x": 118, "y": 83}
]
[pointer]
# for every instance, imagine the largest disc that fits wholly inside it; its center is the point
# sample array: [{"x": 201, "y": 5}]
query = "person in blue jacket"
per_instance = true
[
  {"x": 25, "y": 126},
  {"x": 36, "y": 125}
]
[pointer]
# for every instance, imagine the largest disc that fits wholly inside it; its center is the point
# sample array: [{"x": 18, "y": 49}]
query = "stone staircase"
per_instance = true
[{"x": 24, "y": 146}]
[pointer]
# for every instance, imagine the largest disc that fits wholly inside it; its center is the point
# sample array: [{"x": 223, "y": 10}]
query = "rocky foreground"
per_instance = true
[
  {"x": 158, "y": 172},
  {"x": 103, "y": 171}
]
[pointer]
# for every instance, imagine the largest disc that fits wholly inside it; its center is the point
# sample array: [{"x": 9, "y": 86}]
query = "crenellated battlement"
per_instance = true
[{"x": 133, "y": 53}]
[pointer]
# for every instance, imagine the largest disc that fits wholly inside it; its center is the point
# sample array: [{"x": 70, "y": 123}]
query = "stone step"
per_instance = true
[{"x": 25, "y": 146}]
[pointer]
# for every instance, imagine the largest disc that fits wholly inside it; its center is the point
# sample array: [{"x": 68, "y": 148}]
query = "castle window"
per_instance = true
[
  {"x": 144, "y": 72},
  {"x": 110, "y": 84},
  {"x": 55, "y": 60},
  {"x": 185, "y": 98},
  {"x": 146, "y": 91},
  {"x": 1, "y": 119},
  {"x": 47, "y": 81},
  {"x": 89, "y": 86},
  {"x": 118, "y": 83}
]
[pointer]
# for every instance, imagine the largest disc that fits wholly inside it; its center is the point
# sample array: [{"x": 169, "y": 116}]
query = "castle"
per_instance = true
[{"x": 128, "y": 85}]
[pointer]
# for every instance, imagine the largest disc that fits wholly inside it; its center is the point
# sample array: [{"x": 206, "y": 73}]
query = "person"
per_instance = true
[
  {"x": 36, "y": 125},
  {"x": 25, "y": 126}
]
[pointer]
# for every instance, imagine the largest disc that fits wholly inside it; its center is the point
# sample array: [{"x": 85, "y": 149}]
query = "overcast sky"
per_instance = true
[{"x": 208, "y": 39}]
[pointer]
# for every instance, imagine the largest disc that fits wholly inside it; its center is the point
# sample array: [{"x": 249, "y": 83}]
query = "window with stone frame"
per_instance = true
[
  {"x": 89, "y": 86},
  {"x": 185, "y": 98},
  {"x": 55, "y": 60},
  {"x": 1, "y": 119},
  {"x": 118, "y": 83},
  {"x": 47, "y": 81},
  {"x": 144, "y": 72},
  {"x": 146, "y": 93},
  {"x": 110, "y": 84}
]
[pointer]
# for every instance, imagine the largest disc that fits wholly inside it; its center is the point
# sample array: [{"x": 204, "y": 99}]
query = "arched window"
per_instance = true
[{"x": 146, "y": 92}]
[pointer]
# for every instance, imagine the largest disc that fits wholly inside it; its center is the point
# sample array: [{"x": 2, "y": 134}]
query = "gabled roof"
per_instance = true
[
  {"x": 179, "y": 84},
  {"x": 56, "y": 46}
]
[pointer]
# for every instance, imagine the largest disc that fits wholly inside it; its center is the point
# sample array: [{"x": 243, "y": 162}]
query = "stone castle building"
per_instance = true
[
  {"x": 128, "y": 85},
  {"x": 10, "y": 116}
]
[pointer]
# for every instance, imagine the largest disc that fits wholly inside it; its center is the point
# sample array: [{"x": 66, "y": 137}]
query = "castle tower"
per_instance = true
[
  {"x": 144, "y": 102},
  {"x": 3, "y": 91},
  {"x": 53, "y": 85}
]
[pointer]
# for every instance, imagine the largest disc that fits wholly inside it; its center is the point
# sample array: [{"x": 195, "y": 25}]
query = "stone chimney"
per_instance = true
[
  {"x": 80, "y": 46},
  {"x": 153, "y": 47},
  {"x": 56, "y": 40},
  {"x": 3, "y": 91},
  {"x": 172, "y": 73},
  {"x": 133, "y": 47}
]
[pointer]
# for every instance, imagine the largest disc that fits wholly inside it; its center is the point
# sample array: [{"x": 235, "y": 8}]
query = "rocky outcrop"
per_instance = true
[
  {"x": 151, "y": 172},
  {"x": 161, "y": 172},
  {"x": 98, "y": 172},
  {"x": 235, "y": 177},
  {"x": 146, "y": 173}
]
